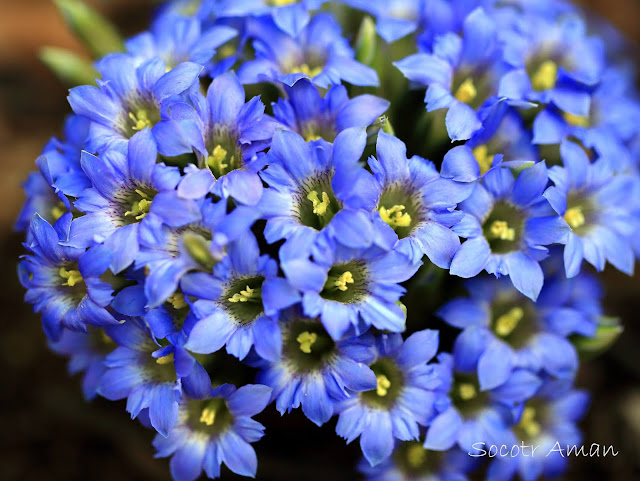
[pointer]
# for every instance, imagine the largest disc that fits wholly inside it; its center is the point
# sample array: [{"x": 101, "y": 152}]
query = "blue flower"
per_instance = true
[
  {"x": 315, "y": 371},
  {"x": 150, "y": 377},
  {"x": 319, "y": 53},
  {"x": 598, "y": 206},
  {"x": 548, "y": 422},
  {"x": 410, "y": 461},
  {"x": 504, "y": 331},
  {"x": 402, "y": 399},
  {"x": 60, "y": 282},
  {"x": 179, "y": 39},
  {"x": 460, "y": 73},
  {"x": 310, "y": 184},
  {"x": 131, "y": 96},
  {"x": 507, "y": 224},
  {"x": 416, "y": 202},
  {"x": 468, "y": 415},
  {"x": 125, "y": 189},
  {"x": 238, "y": 304},
  {"x": 315, "y": 117},
  {"x": 86, "y": 353},
  {"x": 225, "y": 133},
  {"x": 350, "y": 287},
  {"x": 394, "y": 18},
  {"x": 215, "y": 429}
]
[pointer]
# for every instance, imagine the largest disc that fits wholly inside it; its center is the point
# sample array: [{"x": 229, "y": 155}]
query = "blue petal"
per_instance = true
[
  {"x": 176, "y": 81},
  {"x": 376, "y": 440},
  {"x": 525, "y": 273},
  {"x": 460, "y": 165},
  {"x": 238, "y": 455},
  {"x": 461, "y": 121},
  {"x": 443, "y": 431},
  {"x": 471, "y": 258},
  {"x": 210, "y": 334},
  {"x": 418, "y": 348},
  {"x": 494, "y": 365}
]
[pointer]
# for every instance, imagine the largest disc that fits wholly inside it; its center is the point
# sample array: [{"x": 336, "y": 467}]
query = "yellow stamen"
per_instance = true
[
  {"x": 481, "y": 153},
  {"x": 243, "y": 296},
  {"x": 467, "y": 391},
  {"x": 528, "y": 422},
  {"x": 140, "y": 120},
  {"x": 576, "y": 120},
  {"x": 319, "y": 208},
  {"x": 575, "y": 217},
  {"x": 395, "y": 217},
  {"x": 177, "y": 301},
  {"x": 500, "y": 230},
  {"x": 467, "y": 91},
  {"x": 58, "y": 211},
  {"x": 546, "y": 76},
  {"x": 307, "y": 70},
  {"x": 280, "y": 3},
  {"x": 382, "y": 385},
  {"x": 216, "y": 160},
  {"x": 306, "y": 339},
  {"x": 506, "y": 323},
  {"x": 343, "y": 280},
  {"x": 165, "y": 359},
  {"x": 140, "y": 209},
  {"x": 416, "y": 455},
  {"x": 208, "y": 416},
  {"x": 72, "y": 277},
  {"x": 311, "y": 136}
]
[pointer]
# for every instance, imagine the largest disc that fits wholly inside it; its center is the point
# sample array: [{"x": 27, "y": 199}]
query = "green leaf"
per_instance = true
[
  {"x": 69, "y": 67},
  {"x": 95, "y": 31}
]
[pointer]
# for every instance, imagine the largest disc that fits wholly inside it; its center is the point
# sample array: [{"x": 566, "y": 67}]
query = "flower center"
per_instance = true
[
  {"x": 307, "y": 70},
  {"x": 320, "y": 207},
  {"x": 575, "y": 217},
  {"x": 346, "y": 283},
  {"x": 545, "y": 76},
  {"x": 500, "y": 229},
  {"x": 316, "y": 203},
  {"x": 307, "y": 339},
  {"x": 211, "y": 417},
  {"x": 140, "y": 206},
  {"x": 58, "y": 210},
  {"x": 529, "y": 427},
  {"x": 220, "y": 162},
  {"x": 140, "y": 120},
  {"x": 71, "y": 277},
  {"x": 280, "y": 3},
  {"x": 243, "y": 299},
  {"x": 466, "y": 395},
  {"x": 382, "y": 385},
  {"x": 177, "y": 301},
  {"x": 389, "y": 384},
  {"x": 165, "y": 360},
  {"x": 466, "y": 92},
  {"x": 306, "y": 345},
  {"x": 416, "y": 462},
  {"x": 401, "y": 209},
  {"x": 506, "y": 323},
  {"x": 576, "y": 120},
  {"x": 503, "y": 227},
  {"x": 481, "y": 153},
  {"x": 395, "y": 216}
]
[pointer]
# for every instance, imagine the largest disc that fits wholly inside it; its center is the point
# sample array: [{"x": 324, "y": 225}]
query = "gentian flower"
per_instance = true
[
  {"x": 310, "y": 185},
  {"x": 402, "y": 399},
  {"x": 547, "y": 421},
  {"x": 597, "y": 204},
  {"x": 213, "y": 430},
  {"x": 416, "y": 202},
  {"x": 130, "y": 97},
  {"x": 507, "y": 224},
  {"x": 319, "y": 53},
  {"x": 314, "y": 371},
  {"x": 315, "y": 117},
  {"x": 238, "y": 303},
  {"x": 58, "y": 282},
  {"x": 225, "y": 133},
  {"x": 394, "y": 18},
  {"x": 149, "y": 376}
]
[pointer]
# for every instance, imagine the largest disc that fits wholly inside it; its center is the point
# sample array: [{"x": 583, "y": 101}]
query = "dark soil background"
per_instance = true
[{"x": 49, "y": 433}]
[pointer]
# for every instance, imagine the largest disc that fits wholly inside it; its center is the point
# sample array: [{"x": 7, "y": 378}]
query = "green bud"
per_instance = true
[
  {"x": 69, "y": 67},
  {"x": 366, "y": 42},
  {"x": 608, "y": 331},
  {"x": 198, "y": 248},
  {"x": 387, "y": 128},
  {"x": 95, "y": 31}
]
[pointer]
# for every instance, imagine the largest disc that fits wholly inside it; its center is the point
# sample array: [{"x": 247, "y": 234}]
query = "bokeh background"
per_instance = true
[{"x": 48, "y": 432}]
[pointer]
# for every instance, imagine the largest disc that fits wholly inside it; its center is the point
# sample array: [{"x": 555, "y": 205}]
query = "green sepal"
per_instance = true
[
  {"x": 94, "y": 31},
  {"x": 608, "y": 331},
  {"x": 69, "y": 67}
]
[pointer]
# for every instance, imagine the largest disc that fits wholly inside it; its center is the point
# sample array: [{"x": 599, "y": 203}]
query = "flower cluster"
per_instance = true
[{"x": 204, "y": 253}]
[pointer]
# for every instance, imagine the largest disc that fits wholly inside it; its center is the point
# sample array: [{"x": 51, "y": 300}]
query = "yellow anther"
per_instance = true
[
  {"x": 305, "y": 69},
  {"x": 416, "y": 455},
  {"x": 467, "y": 91},
  {"x": 467, "y": 391},
  {"x": 243, "y": 296},
  {"x": 481, "y": 153},
  {"x": 507, "y": 322},
  {"x": 319, "y": 208},
  {"x": 499, "y": 229},
  {"x": 139, "y": 209},
  {"x": 343, "y": 280},
  {"x": 528, "y": 422},
  {"x": 395, "y": 217},
  {"x": 280, "y": 3},
  {"x": 72, "y": 277},
  {"x": 576, "y": 120},
  {"x": 575, "y": 217},
  {"x": 382, "y": 385},
  {"x": 306, "y": 339},
  {"x": 216, "y": 160},
  {"x": 177, "y": 301},
  {"x": 311, "y": 136},
  {"x": 208, "y": 416},
  {"x": 226, "y": 51},
  {"x": 140, "y": 120},
  {"x": 58, "y": 211},
  {"x": 165, "y": 359},
  {"x": 546, "y": 76}
]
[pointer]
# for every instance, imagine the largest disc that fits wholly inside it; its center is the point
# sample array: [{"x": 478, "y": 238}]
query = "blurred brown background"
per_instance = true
[{"x": 47, "y": 431}]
